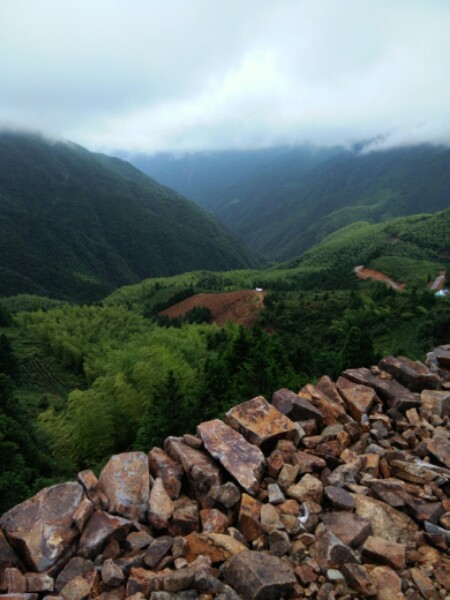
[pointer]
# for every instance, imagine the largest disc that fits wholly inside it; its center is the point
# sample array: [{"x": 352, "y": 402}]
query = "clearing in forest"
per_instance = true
[{"x": 241, "y": 307}]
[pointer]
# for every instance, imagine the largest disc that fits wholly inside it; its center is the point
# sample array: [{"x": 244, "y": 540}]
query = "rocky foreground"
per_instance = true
[{"x": 339, "y": 491}]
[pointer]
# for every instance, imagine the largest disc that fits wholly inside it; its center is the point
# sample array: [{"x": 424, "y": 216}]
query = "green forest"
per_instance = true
[{"x": 82, "y": 381}]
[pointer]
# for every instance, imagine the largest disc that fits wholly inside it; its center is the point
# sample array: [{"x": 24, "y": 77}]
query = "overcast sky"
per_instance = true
[{"x": 147, "y": 75}]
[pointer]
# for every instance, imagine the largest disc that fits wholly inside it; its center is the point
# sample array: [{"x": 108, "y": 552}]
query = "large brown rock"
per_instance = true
[
  {"x": 76, "y": 566},
  {"x": 125, "y": 481},
  {"x": 260, "y": 422},
  {"x": 41, "y": 528},
  {"x": 332, "y": 411},
  {"x": 244, "y": 461},
  {"x": 100, "y": 529},
  {"x": 330, "y": 552},
  {"x": 386, "y": 522},
  {"x": 170, "y": 471},
  {"x": 259, "y": 576},
  {"x": 295, "y": 407},
  {"x": 8, "y": 557},
  {"x": 358, "y": 398},
  {"x": 439, "y": 447},
  {"x": 350, "y": 528},
  {"x": 384, "y": 552},
  {"x": 412, "y": 373},
  {"x": 249, "y": 522},
  {"x": 435, "y": 402},
  {"x": 202, "y": 471},
  {"x": 387, "y": 583}
]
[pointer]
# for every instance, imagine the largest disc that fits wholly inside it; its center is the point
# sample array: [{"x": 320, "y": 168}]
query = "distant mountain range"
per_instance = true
[
  {"x": 284, "y": 201},
  {"x": 77, "y": 225}
]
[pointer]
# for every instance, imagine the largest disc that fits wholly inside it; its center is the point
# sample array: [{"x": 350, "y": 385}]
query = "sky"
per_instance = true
[{"x": 194, "y": 75}]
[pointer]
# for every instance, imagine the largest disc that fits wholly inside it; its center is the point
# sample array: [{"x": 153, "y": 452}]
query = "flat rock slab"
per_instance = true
[
  {"x": 8, "y": 557},
  {"x": 439, "y": 447},
  {"x": 386, "y": 522},
  {"x": 412, "y": 373},
  {"x": 387, "y": 389},
  {"x": 125, "y": 481},
  {"x": 260, "y": 422},
  {"x": 41, "y": 528},
  {"x": 244, "y": 461},
  {"x": 259, "y": 576},
  {"x": 295, "y": 407},
  {"x": 332, "y": 411}
]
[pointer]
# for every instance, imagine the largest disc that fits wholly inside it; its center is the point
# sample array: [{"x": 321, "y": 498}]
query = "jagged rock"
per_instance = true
[
  {"x": 217, "y": 546},
  {"x": 439, "y": 447},
  {"x": 358, "y": 398},
  {"x": 330, "y": 552},
  {"x": 331, "y": 410},
  {"x": 270, "y": 518},
  {"x": 141, "y": 580},
  {"x": 260, "y": 422},
  {"x": 350, "y": 528},
  {"x": 125, "y": 481},
  {"x": 202, "y": 471},
  {"x": 76, "y": 589},
  {"x": 295, "y": 407},
  {"x": 76, "y": 566},
  {"x": 382, "y": 551},
  {"x": 424, "y": 584},
  {"x": 13, "y": 581},
  {"x": 161, "y": 506},
  {"x": 227, "y": 495},
  {"x": 100, "y": 528},
  {"x": 388, "y": 584},
  {"x": 112, "y": 575},
  {"x": 307, "y": 463},
  {"x": 276, "y": 496},
  {"x": 83, "y": 513},
  {"x": 433, "y": 402},
  {"x": 387, "y": 389},
  {"x": 249, "y": 522},
  {"x": 170, "y": 471},
  {"x": 339, "y": 498},
  {"x": 386, "y": 522},
  {"x": 242, "y": 460},
  {"x": 41, "y": 528},
  {"x": 412, "y": 373},
  {"x": 137, "y": 540},
  {"x": 279, "y": 542},
  {"x": 158, "y": 549},
  {"x": 8, "y": 557},
  {"x": 308, "y": 488},
  {"x": 185, "y": 517},
  {"x": 358, "y": 578},
  {"x": 213, "y": 521},
  {"x": 177, "y": 581},
  {"x": 89, "y": 482},
  {"x": 259, "y": 576},
  {"x": 39, "y": 582}
]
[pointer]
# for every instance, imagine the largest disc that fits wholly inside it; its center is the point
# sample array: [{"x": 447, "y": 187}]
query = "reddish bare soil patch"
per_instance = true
[
  {"x": 364, "y": 273},
  {"x": 241, "y": 307}
]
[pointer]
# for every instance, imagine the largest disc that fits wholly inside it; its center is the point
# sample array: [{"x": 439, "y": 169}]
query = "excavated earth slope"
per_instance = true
[{"x": 339, "y": 491}]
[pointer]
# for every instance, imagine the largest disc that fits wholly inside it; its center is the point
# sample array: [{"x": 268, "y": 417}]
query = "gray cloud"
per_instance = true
[{"x": 202, "y": 74}]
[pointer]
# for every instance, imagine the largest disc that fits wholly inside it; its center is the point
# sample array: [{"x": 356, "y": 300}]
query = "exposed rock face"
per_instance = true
[
  {"x": 41, "y": 528},
  {"x": 340, "y": 491},
  {"x": 125, "y": 482}
]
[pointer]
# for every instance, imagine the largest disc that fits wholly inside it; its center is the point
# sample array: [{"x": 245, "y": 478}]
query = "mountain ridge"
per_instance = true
[{"x": 77, "y": 224}]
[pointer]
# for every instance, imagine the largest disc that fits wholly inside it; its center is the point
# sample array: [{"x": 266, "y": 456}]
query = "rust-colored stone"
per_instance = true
[
  {"x": 100, "y": 529},
  {"x": 170, "y": 471},
  {"x": 242, "y": 460},
  {"x": 260, "y": 422},
  {"x": 412, "y": 373},
  {"x": 217, "y": 546},
  {"x": 213, "y": 521},
  {"x": 382, "y": 551},
  {"x": 249, "y": 522},
  {"x": 350, "y": 528},
  {"x": 41, "y": 528},
  {"x": 295, "y": 407},
  {"x": 161, "y": 506}
]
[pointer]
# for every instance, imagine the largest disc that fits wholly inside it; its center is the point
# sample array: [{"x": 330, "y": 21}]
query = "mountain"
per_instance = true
[
  {"x": 77, "y": 225},
  {"x": 296, "y": 198}
]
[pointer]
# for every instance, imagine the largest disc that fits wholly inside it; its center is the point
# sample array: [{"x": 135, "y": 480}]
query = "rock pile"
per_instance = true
[{"x": 339, "y": 491}]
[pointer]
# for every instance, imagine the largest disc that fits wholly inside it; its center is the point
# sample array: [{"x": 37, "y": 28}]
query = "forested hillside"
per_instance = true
[
  {"x": 293, "y": 200},
  {"x": 81, "y": 382},
  {"x": 77, "y": 225}
]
